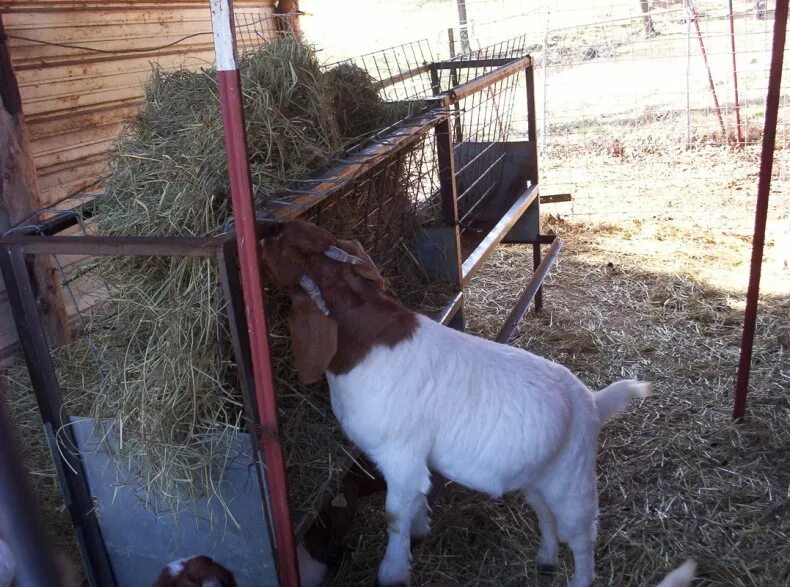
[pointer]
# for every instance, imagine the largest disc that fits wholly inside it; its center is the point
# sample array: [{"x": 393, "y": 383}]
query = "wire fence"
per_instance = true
[{"x": 637, "y": 110}]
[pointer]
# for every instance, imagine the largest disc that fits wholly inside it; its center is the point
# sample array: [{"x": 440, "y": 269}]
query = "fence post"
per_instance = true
[
  {"x": 739, "y": 130},
  {"x": 761, "y": 213},
  {"x": 234, "y": 128}
]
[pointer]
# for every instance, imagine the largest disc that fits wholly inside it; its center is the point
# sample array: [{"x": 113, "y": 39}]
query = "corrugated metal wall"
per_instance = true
[{"x": 81, "y": 67}]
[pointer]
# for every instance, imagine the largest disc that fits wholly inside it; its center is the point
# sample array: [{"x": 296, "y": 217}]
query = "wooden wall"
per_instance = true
[{"x": 81, "y": 67}]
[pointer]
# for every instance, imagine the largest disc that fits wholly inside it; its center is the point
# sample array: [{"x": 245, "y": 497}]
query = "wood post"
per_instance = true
[
  {"x": 289, "y": 16},
  {"x": 19, "y": 197}
]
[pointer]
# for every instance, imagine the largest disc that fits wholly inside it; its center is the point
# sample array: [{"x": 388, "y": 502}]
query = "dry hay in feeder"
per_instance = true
[
  {"x": 677, "y": 478},
  {"x": 166, "y": 377}
]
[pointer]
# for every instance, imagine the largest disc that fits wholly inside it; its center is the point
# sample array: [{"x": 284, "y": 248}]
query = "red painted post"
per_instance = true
[
  {"x": 695, "y": 18},
  {"x": 735, "y": 79},
  {"x": 254, "y": 303},
  {"x": 761, "y": 214}
]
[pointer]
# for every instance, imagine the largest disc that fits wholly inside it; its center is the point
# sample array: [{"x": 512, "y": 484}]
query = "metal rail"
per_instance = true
[
  {"x": 525, "y": 298},
  {"x": 484, "y": 250}
]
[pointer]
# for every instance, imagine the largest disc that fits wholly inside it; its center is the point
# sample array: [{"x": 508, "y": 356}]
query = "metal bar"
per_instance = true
[
  {"x": 529, "y": 74},
  {"x": 449, "y": 195},
  {"x": 453, "y": 83},
  {"x": 761, "y": 213},
  {"x": 20, "y": 519},
  {"x": 227, "y": 261},
  {"x": 60, "y": 222},
  {"x": 500, "y": 230},
  {"x": 739, "y": 130},
  {"x": 488, "y": 79},
  {"x": 113, "y": 245},
  {"x": 530, "y": 291},
  {"x": 74, "y": 487},
  {"x": 449, "y": 311},
  {"x": 360, "y": 163},
  {"x": 254, "y": 300},
  {"x": 402, "y": 77},
  {"x": 436, "y": 86},
  {"x": 474, "y": 63},
  {"x": 555, "y": 198}
]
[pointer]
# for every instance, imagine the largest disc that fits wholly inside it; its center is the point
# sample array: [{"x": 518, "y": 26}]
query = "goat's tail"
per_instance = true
[
  {"x": 680, "y": 577},
  {"x": 615, "y": 398}
]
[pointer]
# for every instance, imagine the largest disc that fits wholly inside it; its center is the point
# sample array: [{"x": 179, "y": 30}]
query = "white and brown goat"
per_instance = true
[{"x": 417, "y": 396}]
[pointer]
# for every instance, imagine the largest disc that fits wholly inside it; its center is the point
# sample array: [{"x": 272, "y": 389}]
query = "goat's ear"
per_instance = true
[
  {"x": 367, "y": 269},
  {"x": 313, "y": 337}
]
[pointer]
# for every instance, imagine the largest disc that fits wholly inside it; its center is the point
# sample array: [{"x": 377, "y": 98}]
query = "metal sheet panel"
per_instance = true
[{"x": 140, "y": 542}]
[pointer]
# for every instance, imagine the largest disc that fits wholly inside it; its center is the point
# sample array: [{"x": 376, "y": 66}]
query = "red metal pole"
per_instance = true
[
  {"x": 254, "y": 306},
  {"x": 695, "y": 18},
  {"x": 735, "y": 79},
  {"x": 761, "y": 214}
]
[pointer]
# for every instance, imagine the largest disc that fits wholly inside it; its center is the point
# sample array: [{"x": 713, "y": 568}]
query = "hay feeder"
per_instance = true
[{"x": 430, "y": 198}]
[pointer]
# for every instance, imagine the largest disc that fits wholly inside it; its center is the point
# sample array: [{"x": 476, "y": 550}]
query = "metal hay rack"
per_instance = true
[{"x": 448, "y": 173}]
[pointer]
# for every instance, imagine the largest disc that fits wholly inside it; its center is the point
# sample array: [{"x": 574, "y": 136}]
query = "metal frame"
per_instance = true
[
  {"x": 238, "y": 274},
  {"x": 35, "y": 348}
]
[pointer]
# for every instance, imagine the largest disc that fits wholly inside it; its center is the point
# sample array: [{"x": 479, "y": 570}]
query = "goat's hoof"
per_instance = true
[{"x": 547, "y": 568}]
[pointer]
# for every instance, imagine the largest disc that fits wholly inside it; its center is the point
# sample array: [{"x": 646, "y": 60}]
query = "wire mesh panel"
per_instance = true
[
  {"x": 402, "y": 70},
  {"x": 483, "y": 124},
  {"x": 644, "y": 112}
]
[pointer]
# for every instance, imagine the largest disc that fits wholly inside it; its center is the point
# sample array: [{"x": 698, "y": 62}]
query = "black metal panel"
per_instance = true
[{"x": 50, "y": 403}]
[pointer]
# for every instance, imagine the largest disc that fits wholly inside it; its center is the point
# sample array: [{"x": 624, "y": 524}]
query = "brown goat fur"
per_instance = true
[
  {"x": 197, "y": 571},
  {"x": 360, "y": 309}
]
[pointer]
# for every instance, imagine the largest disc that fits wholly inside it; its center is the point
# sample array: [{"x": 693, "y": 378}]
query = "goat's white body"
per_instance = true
[
  {"x": 482, "y": 414},
  {"x": 488, "y": 416}
]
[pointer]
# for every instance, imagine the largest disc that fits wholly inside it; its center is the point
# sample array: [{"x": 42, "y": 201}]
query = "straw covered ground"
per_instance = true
[{"x": 677, "y": 479}]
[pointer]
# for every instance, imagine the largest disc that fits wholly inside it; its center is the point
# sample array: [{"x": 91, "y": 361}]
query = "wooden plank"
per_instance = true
[{"x": 19, "y": 196}]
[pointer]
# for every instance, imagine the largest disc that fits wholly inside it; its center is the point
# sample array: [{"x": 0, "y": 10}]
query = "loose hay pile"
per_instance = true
[
  {"x": 677, "y": 479},
  {"x": 160, "y": 348}
]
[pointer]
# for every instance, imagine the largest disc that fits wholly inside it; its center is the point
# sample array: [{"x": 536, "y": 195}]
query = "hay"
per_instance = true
[{"x": 677, "y": 479}]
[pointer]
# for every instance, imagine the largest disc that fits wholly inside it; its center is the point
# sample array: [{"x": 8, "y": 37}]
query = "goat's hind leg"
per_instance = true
[
  {"x": 577, "y": 527},
  {"x": 549, "y": 549},
  {"x": 407, "y": 485},
  {"x": 421, "y": 524}
]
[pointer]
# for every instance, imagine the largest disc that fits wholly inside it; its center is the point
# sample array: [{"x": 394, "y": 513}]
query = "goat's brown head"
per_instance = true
[
  {"x": 327, "y": 278},
  {"x": 197, "y": 571}
]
